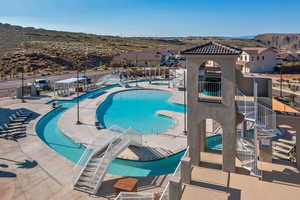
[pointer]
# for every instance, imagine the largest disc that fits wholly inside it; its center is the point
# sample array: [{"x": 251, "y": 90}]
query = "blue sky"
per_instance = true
[{"x": 156, "y": 17}]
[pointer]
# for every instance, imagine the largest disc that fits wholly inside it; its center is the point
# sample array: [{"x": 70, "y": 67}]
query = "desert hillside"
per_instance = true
[
  {"x": 48, "y": 51},
  {"x": 282, "y": 41}
]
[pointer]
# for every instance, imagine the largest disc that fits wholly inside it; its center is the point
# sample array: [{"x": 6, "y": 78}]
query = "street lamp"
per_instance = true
[
  {"x": 78, "y": 121},
  {"x": 85, "y": 67},
  {"x": 184, "y": 85},
  {"x": 22, "y": 89}
]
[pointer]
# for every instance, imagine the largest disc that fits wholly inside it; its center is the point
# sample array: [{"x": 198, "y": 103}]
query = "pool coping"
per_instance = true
[{"x": 97, "y": 103}]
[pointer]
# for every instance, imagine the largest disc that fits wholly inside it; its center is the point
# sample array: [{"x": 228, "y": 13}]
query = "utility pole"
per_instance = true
[
  {"x": 85, "y": 67},
  {"x": 280, "y": 82},
  {"x": 78, "y": 121},
  {"x": 22, "y": 87}
]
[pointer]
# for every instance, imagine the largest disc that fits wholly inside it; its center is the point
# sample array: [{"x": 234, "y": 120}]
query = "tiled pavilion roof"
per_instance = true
[{"x": 212, "y": 48}]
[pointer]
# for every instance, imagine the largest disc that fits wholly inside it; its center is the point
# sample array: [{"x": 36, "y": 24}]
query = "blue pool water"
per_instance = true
[
  {"x": 137, "y": 109},
  {"x": 49, "y": 132},
  {"x": 215, "y": 142}
]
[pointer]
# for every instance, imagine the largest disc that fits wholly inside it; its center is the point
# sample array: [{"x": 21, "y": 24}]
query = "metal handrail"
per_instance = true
[
  {"x": 178, "y": 169},
  {"x": 78, "y": 164},
  {"x": 209, "y": 88},
  {"x": 134, "y": 195}
]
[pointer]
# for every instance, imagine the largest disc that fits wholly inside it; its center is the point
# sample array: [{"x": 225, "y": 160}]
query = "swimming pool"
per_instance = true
[
  {"x": 137, "y": 109},
  {"x": 215, "y": 142},
  {"x": 47, "y": 129}
]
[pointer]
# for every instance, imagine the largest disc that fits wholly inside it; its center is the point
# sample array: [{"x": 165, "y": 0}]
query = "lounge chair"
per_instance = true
[
  {"x": 12, "y": 133},
  {"x": 14, "y": 119},
  {"x": 18, "y": 117},
  {"x": 23, "y": 114},
  {"x": 12, "y": 127}
]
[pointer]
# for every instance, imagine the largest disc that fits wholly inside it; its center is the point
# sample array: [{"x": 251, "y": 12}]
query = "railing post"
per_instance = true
[
  {"x": 245, "y": 108},
  {"x": 186, "y": 170},
  {"x": 174, "y": 188}
]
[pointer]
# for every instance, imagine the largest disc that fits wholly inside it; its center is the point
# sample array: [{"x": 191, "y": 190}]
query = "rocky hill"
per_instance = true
[
  {"x": 289, "y": 42},
  {"x": 40, "y": 50}
]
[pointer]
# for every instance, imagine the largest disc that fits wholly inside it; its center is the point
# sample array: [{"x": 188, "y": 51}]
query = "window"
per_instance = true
[
  {"x": 257, "y": 57},
  {"x": 252, "y": 58},
  {"x": 263, "y": 57}
]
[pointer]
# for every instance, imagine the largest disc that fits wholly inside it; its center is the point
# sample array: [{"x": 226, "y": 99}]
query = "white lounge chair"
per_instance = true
[
  {"x": 12, "y": 133},
  {"x": 14, "y": 119},
  {"x": 23, "y": 114},
  {"x": 12, "y": 127}
]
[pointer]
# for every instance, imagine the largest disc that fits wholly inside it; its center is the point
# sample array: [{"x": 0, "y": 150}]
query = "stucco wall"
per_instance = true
[
  {"x": 263, "y": 65},
  {"x": 245, "y": 84}
]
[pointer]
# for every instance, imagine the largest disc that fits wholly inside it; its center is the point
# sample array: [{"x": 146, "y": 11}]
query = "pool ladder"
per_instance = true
[{"x": 97, "y": 163}]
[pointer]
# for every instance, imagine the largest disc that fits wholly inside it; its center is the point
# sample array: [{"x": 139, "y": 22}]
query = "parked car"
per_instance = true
[
  {"x": 41, "y": 84},
  {"x": 85, "y": 79}
]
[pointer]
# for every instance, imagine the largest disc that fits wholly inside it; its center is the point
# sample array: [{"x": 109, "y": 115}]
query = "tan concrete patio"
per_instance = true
[
  {"x": 51, "y": 178},
  {"x": 280, "y": 181}
]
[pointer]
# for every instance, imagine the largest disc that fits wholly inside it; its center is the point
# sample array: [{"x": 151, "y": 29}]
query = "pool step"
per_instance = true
[{"x": 94, "y": 171}]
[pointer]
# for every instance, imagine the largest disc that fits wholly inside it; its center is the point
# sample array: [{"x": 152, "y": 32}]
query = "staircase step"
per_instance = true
[
  {"x": 280, "y": 155},
  {"x": 283, "y": 145},
  {"x": 291, "y": 142},
  {"x": 281, "y": 150},
  {"x": 84, "y": 188}
]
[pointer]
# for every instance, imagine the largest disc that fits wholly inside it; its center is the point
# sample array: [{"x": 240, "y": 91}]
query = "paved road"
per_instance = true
[
  {"x": 14, "y": 83},
  {"x": 7, "y": 86}
]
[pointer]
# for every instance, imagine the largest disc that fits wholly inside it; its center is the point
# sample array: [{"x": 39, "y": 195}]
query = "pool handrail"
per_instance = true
[{"x": 164, "y": 195}]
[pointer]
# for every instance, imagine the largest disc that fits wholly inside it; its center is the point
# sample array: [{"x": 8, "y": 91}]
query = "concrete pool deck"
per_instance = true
[
  {"x": 51, "y": 178},
  {"x": 163, "y": 144}
]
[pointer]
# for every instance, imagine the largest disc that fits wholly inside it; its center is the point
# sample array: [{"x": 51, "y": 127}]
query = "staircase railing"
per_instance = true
[
  {"x": 135, "y": 195},
  {"x": 210, "y": 89},
  {"x": 177, "y": 173},
  {"x": 111, "y": 152},
  {"x": 265, "y": 117},
  {"x": 244, "y": 103},
  {"x": 82, "y": 162}
]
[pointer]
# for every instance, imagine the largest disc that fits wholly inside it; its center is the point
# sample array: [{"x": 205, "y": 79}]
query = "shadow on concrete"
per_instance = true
[
  {"x": 3, "y": 166},
  {"x": 234, "y": 194},
  {"x": 210, "y": 165},
  {"x": 145, "y": 183},
  {"x": 27, "y": 164},
  {"x": 285, "y": 177},
  {"x": 4, "y": 174},
  {"x": 37, "y": 97}
]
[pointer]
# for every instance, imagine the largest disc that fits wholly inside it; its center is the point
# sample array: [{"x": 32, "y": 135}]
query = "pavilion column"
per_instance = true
[
  {"x": 192, "y": 114},
  {"x": 229, "y": 148}
]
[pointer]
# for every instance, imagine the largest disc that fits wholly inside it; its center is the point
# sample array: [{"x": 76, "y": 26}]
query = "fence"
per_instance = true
[
  {"x": 135, "y": 196},
  {"x": 177, "y": 173},
  {"x": 9, "y": 92},
  {"x": 210, "y": 90}
]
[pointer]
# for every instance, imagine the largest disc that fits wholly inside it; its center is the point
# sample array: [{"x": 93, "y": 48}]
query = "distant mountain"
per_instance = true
[
  {"x": 289, "y": 42},
  {"x": 245, "y": 37}
]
